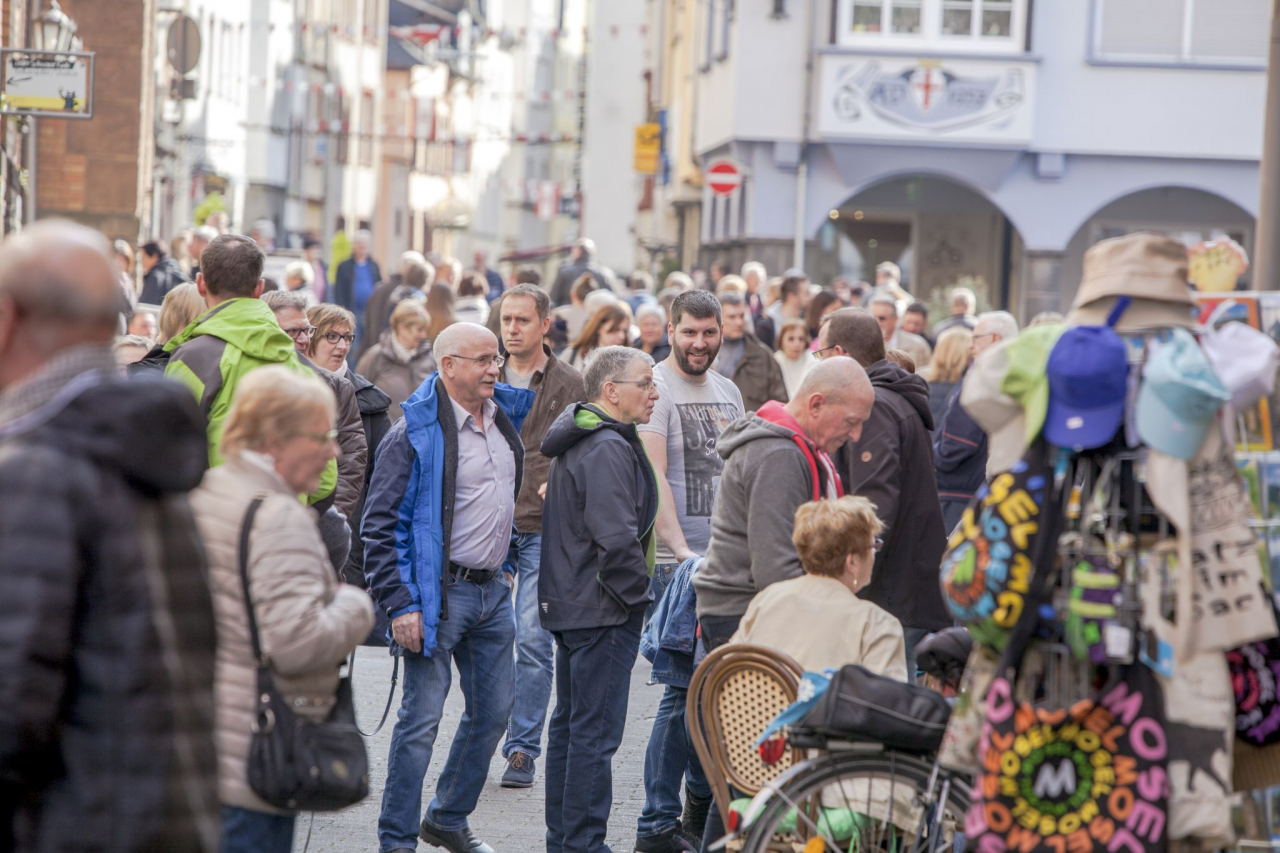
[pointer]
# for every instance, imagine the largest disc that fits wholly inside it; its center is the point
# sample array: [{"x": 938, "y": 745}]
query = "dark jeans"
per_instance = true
[
  {"x": 246, "y": 831},
  {"x": 593, "y": 680},
  {"x": 716, "y": 631},
  {"x": 669, "y": 759},
  {"x": 478, "y": 637},
  {"x": 535, "y": 656}
]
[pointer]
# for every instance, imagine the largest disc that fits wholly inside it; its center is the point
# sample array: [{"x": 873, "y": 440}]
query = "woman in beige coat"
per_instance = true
[
  {"x": 278, "y": 438},
  {"x": 402, "y": 359}
]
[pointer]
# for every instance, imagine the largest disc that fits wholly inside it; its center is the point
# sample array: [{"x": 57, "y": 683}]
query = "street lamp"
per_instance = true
[{"x": 54, "y": 29}]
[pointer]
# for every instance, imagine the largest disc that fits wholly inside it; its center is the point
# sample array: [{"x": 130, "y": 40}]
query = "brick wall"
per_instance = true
[{"x": 98, "y": 171}]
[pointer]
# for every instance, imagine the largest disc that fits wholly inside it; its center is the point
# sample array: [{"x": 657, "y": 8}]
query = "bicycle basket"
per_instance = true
[{"x": 860, "y": 705}]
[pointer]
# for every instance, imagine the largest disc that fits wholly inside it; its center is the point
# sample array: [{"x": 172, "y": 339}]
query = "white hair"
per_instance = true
[
  {"x": 651, "y": 308},
  {"x": 597, "y": 299},
  {"x": 206, "y": 233},
  {"x": 411, "y": 257},
  {"x": 299, "y": 269},
  {"x": 966, "y": 296},
  {"x": 757, "y": 268},
  {"x": 1001, "y": 323},
  {"x": 363, "y": 236},
  {"x": 606, "y": 364},
  {"x": 883, "y": 298}
]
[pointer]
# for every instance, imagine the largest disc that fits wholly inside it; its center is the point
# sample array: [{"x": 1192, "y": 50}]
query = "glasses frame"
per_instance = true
[
  {"x": 642, "y": 384},
  {"x": 321, "y": 437},
  {"x": 495, "y": 360},
  {"x": 818, "y": 354},
  {"x": 294, "y": 334},
  {"x": 350, "y": 338}
]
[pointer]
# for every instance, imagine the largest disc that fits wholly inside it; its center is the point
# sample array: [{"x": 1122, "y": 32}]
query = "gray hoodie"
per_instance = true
[{"x": 765, "y": 480}]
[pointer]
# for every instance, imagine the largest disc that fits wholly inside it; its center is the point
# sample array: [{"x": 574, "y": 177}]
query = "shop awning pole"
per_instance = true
[{"x": 1266, "y": 275}]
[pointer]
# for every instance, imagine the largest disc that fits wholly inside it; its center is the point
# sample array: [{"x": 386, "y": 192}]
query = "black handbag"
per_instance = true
[
  {"x": 860, "y": 705},
  {"x": 295, "y": 763}
]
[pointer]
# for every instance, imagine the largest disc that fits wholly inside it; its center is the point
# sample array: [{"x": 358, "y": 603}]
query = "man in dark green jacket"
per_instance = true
[
  {"x": 238, "y": 333},
  {"x": 598, "y": 552}
]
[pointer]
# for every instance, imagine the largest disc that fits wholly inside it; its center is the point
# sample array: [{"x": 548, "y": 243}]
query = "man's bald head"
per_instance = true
[
  {"x": 467, "y": 354},
  {"x": 832, "y": 402},
  {"x": 461, "y": 338},
  {"x": 57, "y": 290}
]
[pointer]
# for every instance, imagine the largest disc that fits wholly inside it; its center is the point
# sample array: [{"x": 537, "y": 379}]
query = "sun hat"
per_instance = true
[
  {"x": 1025, "y": 381},
  {"x": 1142, "y": 266},
  {"x": 1180, "y": 396},
  {"x": 1088, "y": 372}
]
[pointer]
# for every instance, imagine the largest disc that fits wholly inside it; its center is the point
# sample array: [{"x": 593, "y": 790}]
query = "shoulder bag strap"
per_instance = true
[{"x": 245, "y": 529}]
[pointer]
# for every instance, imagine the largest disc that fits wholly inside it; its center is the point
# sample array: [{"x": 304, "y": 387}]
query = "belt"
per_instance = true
[{"x": 479, "y": 577}]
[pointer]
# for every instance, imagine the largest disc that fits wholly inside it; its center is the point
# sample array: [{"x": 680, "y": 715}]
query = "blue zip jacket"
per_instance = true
[
  {"x": 407, "y": 513},
  {"x": 959, "y": 453},
  {"x": 671, "y": 636}
]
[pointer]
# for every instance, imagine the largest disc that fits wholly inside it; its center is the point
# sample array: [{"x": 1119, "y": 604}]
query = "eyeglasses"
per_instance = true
[
  {"x": 320, "y": 437},
  {"x": 642, "y": 384},
  {"x": 821, "y": 354},
  {"x": 334, "y": 337},
  {"x": 304, "y": 332},
  {"x": 876, "y": 544},
  {"x": 985, "y": 335},
  {"x": 483, "y": 360}
]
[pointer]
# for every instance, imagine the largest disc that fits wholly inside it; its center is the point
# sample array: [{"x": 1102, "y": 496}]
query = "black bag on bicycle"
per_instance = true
[
  {"x": 860, "y": 705},
  {"x": 295, "y": 763}
]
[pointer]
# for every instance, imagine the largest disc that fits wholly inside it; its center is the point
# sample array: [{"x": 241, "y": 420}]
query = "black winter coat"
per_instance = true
[
  {"x": 597, "y": 526},
  {"x": 106, "y": 625},
  {"x": 373, "y": 404},
  {"x": 892, "y": 466},
  {"x": 164, "y": 276}
]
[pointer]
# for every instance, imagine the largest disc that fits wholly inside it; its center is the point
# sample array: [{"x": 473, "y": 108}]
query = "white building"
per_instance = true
[{"x": 994, "y": 139}]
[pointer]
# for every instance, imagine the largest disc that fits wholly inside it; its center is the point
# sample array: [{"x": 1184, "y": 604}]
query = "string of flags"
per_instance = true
[
  {"x": 330, "y": 89},
  {"x": 424, "y": 34}
]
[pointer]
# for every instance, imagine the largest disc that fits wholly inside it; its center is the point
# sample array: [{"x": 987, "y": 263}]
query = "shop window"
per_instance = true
[
  {"x": 1191, "y": 32},
  {"x": 955, "y": 24}
]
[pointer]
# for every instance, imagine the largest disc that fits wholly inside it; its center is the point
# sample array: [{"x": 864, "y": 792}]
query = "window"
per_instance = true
[
  {"x": 716, "y": 31},
  {"x": 949, "y": 24},
  {"x": 1193, "y": 32}
]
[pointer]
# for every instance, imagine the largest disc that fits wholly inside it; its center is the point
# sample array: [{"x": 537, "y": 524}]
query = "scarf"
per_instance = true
[{"x": 776, "y": 413}]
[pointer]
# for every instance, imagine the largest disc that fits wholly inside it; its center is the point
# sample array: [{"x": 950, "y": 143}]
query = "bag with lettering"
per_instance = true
[
  {"x": 986, "y": 569},
  {"x": 1255, "y": 679}
]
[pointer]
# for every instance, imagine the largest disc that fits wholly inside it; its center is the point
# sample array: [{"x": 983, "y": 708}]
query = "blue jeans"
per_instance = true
[
  {"x": 477, "y": 635},
  {"x": 247, "y": 831},
  {"x": 662, "y": 574},
  {"x": 669, "y": 758},
  {"x": 593, "y": 680},
  {"x": 535, "y": 656}
]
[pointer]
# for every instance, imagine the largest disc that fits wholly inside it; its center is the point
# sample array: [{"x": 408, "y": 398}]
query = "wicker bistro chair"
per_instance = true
[{"x": 734, "y": 694}]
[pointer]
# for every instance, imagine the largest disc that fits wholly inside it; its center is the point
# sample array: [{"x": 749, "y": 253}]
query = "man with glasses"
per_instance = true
[
  {"x": 438, "y": 524},
  {"x": 597, "y": 555},
  {"x": 237, "y": 335}
]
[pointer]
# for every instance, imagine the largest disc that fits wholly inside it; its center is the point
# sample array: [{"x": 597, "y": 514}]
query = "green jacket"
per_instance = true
[{"x": 218, "y": 349}]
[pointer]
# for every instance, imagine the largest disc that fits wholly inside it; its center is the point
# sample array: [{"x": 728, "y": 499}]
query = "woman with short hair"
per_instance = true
[
  {"x": 651, "y": 318},
  {"x": 818, "y": 618},
  {"x": 278, "y": 438},
  {"x": 180, "y": 307},
  {"x": 951, "y": 357},
  {"x": 403, "y": 358}
]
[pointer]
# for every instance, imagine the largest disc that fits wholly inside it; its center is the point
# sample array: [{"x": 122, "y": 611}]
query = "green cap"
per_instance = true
[{"x": 1026, "y": 381}]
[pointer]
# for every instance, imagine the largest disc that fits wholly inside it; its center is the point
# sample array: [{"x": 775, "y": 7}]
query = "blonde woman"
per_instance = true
[
  {"x": 818, "y": 618},
  {"x": 277, "y": 440},
  {"x": 951, "y": 359},
  {"x": 794, "y": 355},
  {"x": 403, "y": 358},
  {"x": 180, "y": 307}
]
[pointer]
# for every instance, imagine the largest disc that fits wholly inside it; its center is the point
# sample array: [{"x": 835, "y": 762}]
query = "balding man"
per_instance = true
[
  {"x": 774, "y": 460},
  {"x": 438, "y": 523},
  {"x": 891, "y": 464},
  {"x": 106, "y": 624}
]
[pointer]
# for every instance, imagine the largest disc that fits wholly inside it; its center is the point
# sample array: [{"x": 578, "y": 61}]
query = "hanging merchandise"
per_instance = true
[
  {"x": 999, "y": 415},
  {"x": 1150, "y": 269},
  {"x": 1088, "y": 371},
  {"x": 1245, "y": 360},
  {"x": 1180, "y": 396}
]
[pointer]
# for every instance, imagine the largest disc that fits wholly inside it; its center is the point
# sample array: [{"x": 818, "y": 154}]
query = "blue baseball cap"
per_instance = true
[
  {"x": 1088, "y": 376},
  {"x": 1180, "y": 397}
]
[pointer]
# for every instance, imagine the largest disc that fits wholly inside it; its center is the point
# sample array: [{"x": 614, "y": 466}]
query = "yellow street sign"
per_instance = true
[{"x": 648, "y": 148}]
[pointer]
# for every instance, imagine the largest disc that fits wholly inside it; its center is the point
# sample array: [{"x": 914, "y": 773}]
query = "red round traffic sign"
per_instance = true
[{"x": 724, "y": 176}]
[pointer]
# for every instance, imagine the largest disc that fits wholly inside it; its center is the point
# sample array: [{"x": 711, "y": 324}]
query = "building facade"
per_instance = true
[{"x": 990, "y": 141}]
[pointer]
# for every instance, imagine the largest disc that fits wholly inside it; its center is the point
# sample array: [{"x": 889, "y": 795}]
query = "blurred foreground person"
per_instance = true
[
  {"x": 106, "y": 625},
  {"x": 130, "y": 349},
  {"x": 278, "y": 438},
  {"x": 598, "y": 544}
]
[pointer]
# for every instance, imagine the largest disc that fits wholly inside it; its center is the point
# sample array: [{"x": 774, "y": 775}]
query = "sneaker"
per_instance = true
[
  {"x": 671, "y": 841},
  {"x": 519, "y": 771},
  {"x": 694, "y": 818}
]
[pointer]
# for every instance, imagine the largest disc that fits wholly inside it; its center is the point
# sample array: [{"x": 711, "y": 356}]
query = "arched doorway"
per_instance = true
[
  {"x": 1186, "y": 214},
  {"x": 938, "y": 231}
]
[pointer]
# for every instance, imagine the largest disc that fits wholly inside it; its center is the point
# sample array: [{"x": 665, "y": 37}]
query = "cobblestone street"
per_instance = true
[{"x": 509, "y": 820}]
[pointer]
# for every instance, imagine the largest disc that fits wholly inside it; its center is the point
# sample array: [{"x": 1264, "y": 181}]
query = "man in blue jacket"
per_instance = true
[
  {"x": 438, "y": 524},
  {"x": 598, "y": 554}
]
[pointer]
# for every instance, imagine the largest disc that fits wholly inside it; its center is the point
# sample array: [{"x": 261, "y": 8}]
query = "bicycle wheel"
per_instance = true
[{"x": 854, "y": 801}]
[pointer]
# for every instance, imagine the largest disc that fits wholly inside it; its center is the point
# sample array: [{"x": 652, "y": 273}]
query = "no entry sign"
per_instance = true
[{"x": 724, "y": 176}]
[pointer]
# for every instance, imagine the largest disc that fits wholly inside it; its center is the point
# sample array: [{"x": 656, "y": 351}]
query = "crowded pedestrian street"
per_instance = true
[{"x": 660, "y": 426}]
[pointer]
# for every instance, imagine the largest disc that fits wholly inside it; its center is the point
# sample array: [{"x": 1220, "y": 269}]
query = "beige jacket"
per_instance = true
[
  {"x": 822, "y": 625},
  {"x": 307, "y": 620}
]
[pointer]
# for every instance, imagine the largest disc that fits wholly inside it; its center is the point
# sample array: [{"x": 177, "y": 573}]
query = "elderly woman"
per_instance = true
[
  {"x": 277, "y": 440},
  {"x": 400, "y": 362},
  {"x": 651, "y": 318},
  {"x": 180, "y": 307},
  {"x": 818, "y": 618},
  {"x": 298, "y": 277}
]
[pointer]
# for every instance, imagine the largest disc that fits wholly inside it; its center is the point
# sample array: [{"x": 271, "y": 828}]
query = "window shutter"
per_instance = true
[
  {"x": 1145, "y": 28},
  {"x": 1231, "y": 29}
]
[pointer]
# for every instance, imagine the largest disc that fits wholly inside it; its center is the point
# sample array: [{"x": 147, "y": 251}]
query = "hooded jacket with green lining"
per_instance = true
[
  {"x": 218, "y": 349},
  {"x": 598, "y": 542}
]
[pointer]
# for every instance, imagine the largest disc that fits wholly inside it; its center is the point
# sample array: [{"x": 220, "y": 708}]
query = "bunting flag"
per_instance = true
[{"x": 420, "y": 34}]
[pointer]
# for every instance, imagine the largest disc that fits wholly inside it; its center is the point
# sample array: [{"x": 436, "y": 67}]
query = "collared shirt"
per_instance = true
[{"x": 484, "y": 498}]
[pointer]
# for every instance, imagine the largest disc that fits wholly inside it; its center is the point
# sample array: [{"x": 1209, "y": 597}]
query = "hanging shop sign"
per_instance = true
[
  {"x": 954, "y": 100},
  {"x": 648, "y": 148},
  {"x": 47, "y": 83}
]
